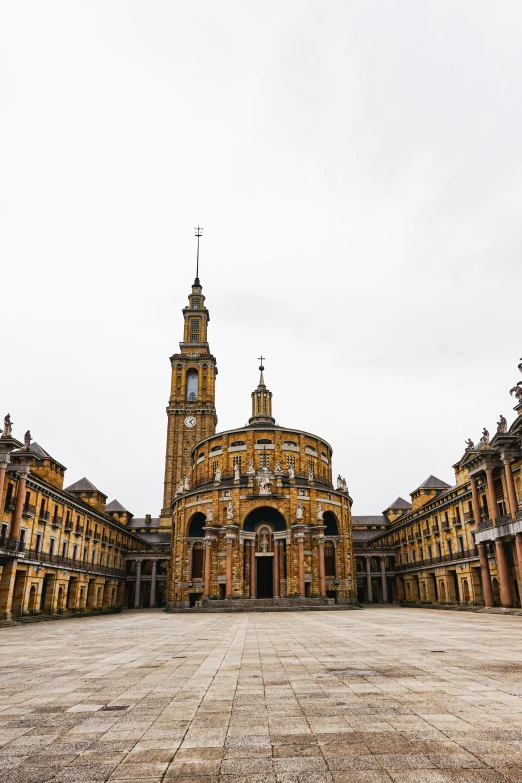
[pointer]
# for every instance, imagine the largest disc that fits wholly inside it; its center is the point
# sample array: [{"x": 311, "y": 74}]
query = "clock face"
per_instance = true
[{"x": 190, "y": 421}]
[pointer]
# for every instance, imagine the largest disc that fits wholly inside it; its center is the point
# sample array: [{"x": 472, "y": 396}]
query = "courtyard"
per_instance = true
[{"x": 383, "y": 694}]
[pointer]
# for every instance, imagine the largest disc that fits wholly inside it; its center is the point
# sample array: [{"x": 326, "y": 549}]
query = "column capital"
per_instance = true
[
  {"x": 319, "y": 538},
  {"x": 299, "y": 535},
  {"x": 5, "y": 459},
  {"x": 23, "y": 471}
]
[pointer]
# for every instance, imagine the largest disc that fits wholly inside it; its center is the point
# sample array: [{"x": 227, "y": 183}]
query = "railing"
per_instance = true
[
  {"x": 468, "y": 516},
  {"x": 68, "y": 527},
  {"x": 68, "y": 562},
  {"x": 29, "y": 510},
  {"x": 110, "y": 542},
  {"x": 43, "y": 516},
  {"x": 435, "y": 529},
  {"x": 426, "y": 531},
  {"x": 88, "y": 533},
  {"x": 465, "y": 554},
  {"x": 79, "y": 530},
  {"x": 56, "y": 521},
  {"x": 11, "y": 505},
  {"x": 456, "y": 522}
]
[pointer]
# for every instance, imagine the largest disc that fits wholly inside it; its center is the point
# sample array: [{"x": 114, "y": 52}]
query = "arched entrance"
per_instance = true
[{"x": 267, "y": 552}]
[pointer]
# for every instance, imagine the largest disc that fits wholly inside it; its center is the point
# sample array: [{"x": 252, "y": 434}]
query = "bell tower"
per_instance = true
[{"x": 191, "y": 412}]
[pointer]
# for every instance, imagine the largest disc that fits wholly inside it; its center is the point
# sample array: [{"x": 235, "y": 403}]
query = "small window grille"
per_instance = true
[
  {"x": 311, "y": 466},
  {"x": 237, "y": 461},
  {"x": 329, "y": 559},
  {"x": 214, "y": 465},
  {"x": 194, "y": 338},
  {"x": 196, "y": 302},
  {"x": 290, "y": 461},
  {"x": 264, "y": 460},
  {"x": 194, "y": 324}
]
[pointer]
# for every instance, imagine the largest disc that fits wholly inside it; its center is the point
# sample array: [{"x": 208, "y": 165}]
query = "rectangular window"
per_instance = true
[
  {"x": 237, "y": 461},
  {"x": 197, "y": 562},
  {"x": 461, "y": 544},
  {"x": 194, "y": 324},
  {"x": 429, "y": 551},
  {"x": 101, "y": 558},
  {"x": 214, "y": 466},
  {"x": 64, "y": 549},
  {"x": 450, "y": 547},
  {"x": 85, "y": 555},
  {"x": 5, "y": 527},
  {"x": 264, "y": 460},
  {"x": 195, "y": 302},
  {"x": 75, "y": 552},
  {"x": 52, "y": 544},
  {"x": 38, "y": 544},
  {"x": 290, "y": 461},
  {"x": 311, "y": 467},
  {"x": 93, "y": 556},
  {"x": 194, "y": 338}
]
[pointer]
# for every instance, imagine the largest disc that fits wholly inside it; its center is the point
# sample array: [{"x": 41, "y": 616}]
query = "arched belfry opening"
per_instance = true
[
  {"x": 196, "y": 526},
  {"x": 264, "y": 514},
  {"x": 330, "y": 520}
]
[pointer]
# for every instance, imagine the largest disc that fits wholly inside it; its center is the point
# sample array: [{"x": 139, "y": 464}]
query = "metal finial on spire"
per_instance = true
[
  {"x": 261, "y": 360},
  {"x": 198, "y": 232}
]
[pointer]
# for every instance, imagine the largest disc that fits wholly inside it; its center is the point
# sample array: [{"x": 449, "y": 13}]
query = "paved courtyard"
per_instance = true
[{"x": 375, "y": 695}]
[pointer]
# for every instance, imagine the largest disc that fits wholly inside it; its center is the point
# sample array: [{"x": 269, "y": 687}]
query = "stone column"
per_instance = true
[
  {"x": 492, "y": 500},
  {"x": 14, "y": 533},
  {"x": 253, "y": 569},
  {"x": 369, "y": 579},
  {"x": 4, "y": 462},
  {"x": 475, "y": 503},
  {"x": 320, "y": 554},
  {"x": 300, "y": 563},
  {"x": 518, "y": 542},
  {"x": 276, "y": 569},
  {"x": 138, "y": 584},
  {"x": 207, "y": 543},
  {"x": 153, "y": 584},
  {"x": 512, "y": 495},
  {"x": 506, "y": 592},
  {"x": 230, "y": 540},
  {"x": 383, "y": 579}
]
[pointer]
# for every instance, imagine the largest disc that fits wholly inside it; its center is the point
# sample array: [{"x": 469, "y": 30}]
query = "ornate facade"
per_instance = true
[
  {"x": 254, "y": 511},
  {"x": 453, "y": 544}
]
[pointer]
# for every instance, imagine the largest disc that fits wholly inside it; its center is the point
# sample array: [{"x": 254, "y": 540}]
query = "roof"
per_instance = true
[
  {"x": 377, "y": 519},
  {"x": 432, "y": 482},
  {"x": 83, "y": 485},
  {"x": 115, "y": 505},
  {"x": 155, "y": 538},
  {"x": 400, "y": 503},
  {"x": 142, "y": 522},
  {"x": 364, "y": 535},
  {"x": 40, "y": 451}
]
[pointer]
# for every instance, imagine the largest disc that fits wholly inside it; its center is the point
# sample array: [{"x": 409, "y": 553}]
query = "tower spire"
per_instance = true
[{"x": 198, "y": 232}]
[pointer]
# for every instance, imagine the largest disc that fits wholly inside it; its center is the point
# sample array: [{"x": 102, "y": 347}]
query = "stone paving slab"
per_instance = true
[{"x": 383, "y": 694}]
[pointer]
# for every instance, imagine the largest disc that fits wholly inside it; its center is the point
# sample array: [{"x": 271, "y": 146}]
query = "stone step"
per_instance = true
[{"x": 239, "y": 606}]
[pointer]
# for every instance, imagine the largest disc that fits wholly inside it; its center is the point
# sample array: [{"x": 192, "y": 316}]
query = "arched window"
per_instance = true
[
  {"x": 263, "y": 440},
  {"x": 197, "y": 561},
  {"x": 329, "y": 559},
  {"x": 192, "y": 385}
]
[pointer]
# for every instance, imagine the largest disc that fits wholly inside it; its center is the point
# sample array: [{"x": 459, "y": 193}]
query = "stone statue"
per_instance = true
[
  {"x": 264, "y": 482},
  {"x": 278, "y": 470},
  {"x": 291, "y": 472},
  {"x": 339, "y": 482},
  {"x": 217, "y": 475},
  {"x": 186, "y": 485},
  {"x": 264, "y": 543},
  {"x": 502, "y": 424},
  {"x": 300, "y": 511},
  {"x": 319, "y": 512},
  {"x": 310, "y": 473},
  {"x": 517, "y": 391},
  {"x": 520, "y": 365},
  {"x": 27, "y": 440},
  {"x": 237, "y": 472},
  {"x": 345, "y": 486},
  {"x": 470, "y": 444},
  {"x": 230, "y": 510},
  {"x": 8, "y": 427},
  {"x": 179, "y": 487},
  {"x": 251, "y": 471},
  {"x": 209, "y": 517},
  {"x": 485, "y": 437}
]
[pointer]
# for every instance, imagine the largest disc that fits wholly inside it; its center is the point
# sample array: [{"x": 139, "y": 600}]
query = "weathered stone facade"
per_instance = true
[{"x": 254, "y": 511}]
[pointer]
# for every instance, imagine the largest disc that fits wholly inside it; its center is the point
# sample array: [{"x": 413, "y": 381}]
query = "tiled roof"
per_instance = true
[
  {"x": 115, "y": 505},
  {"x": 400, "y": 503},
  {"x": 432, "y": 482},
  {"x": 370, "y": 520},
  {"x": 83, "y": 485},
  {"x": 142, "y": 522}
]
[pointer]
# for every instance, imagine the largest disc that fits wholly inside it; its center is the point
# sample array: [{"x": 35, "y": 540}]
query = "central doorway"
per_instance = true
[{"x": 265, "y": 577}]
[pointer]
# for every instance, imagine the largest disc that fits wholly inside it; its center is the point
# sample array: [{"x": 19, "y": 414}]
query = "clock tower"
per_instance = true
[{"x": 191, "y": 410}]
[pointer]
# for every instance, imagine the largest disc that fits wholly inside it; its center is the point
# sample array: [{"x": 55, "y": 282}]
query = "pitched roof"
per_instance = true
[
  {"x": 40, "y": 451},
  {"x": 375, "y": 519},
  {"x": 115, "y": 505},
  {"x": 142, "y": 522},
  {"x": 83, "y": 485},
  {"x": 432, "y": 482},
  {"x": 400, "y": 503}
]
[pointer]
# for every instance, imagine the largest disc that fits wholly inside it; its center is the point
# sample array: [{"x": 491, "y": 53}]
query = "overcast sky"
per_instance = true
[{"x": 357, "y": 169}]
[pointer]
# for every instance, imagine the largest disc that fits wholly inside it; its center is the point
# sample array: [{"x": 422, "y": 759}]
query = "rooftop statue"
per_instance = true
[
  {"x": 320, "y": 512},
  {"x": 8, "y": 427},
  {"x": 517, "y": 391},
  {"x": 251, "y": 471},
  {"x": 291, "y": 472},
  {"x": 237, "y": 472},
  {"x": 485, "y": 437},
  {"x": 502, "y": 424},
  {"x": 27, "y": 440},
  {"x": 217, "y": 475},
  {"x": 470, "y": 444}
]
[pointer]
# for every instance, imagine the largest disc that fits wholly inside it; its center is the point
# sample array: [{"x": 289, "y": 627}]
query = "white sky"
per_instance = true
[{"x": 357, "y": 170}]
